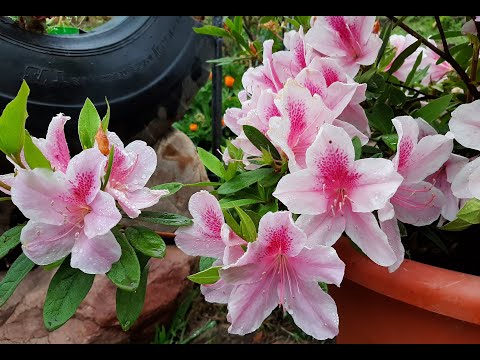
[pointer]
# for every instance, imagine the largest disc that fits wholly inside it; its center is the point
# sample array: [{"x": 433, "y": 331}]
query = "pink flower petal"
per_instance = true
[
  {"x": 83, "y": 176},
  {"x": 141, "y": 168},
  {"x": 460, "y": 183},
  {"x": 133, "y": 202},
  {"x": 352, "y": 131},
  {"x": 355, "y": 114},
  {"x": 8, "y": 181},
  {"x": 339, "y": 96},
  {"x": 324, "y": 229},
  {"x": 38, "y": 195},
  {"x": 249, "y": 305},
  {"x": 218, "y": 293},
  {"x": 203, "y": 238},
  {"x": 390, "y": 228},
  {"x": 55, "y": 146},
  {"x": 418, "y": 203},
  {"x": 95, "y": 255},
  {"x": 102, "y": 217},
  {"x": 377, "y": 183},
  {"x": 319, "y": 264},
  {"x": 313, "y": 310},
  {"x": 465, "y": 124},
  {"x": 363, "y": 230},
  {"x": 45, "y": 243},
  {"x": 233, "y": 245},
  {"x": 299, "y": 192},
  {"x": 474, "y": 183}
]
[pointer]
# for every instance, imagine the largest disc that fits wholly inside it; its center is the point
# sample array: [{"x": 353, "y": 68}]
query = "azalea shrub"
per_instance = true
[
  {"x": 74, "y": 206},
  {"x": 349, "y": 129}
]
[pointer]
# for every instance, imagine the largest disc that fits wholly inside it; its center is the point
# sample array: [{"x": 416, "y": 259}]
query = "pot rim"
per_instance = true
[{"x": 446, "y": 292}]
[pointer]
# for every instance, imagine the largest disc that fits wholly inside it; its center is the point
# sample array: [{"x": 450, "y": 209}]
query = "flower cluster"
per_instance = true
[
  {"x": 306, "y": 108},
  {"x": 72, "y": 204}
]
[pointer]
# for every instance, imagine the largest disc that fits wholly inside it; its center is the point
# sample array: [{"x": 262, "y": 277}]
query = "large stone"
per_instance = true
[{"x": 95, "y": 321}]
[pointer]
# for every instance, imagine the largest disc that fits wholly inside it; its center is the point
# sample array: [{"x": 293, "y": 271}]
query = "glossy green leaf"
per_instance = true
[
  {"x": 243, "y": 180},
  {"x": 106, "y": 118},
  {"x": 206, "y": 262},
  {"x": 14, "y": 276},
  {"x": 228, "y": 204},
  {"x": 211, "y": 162},
  {"x": 470, "y": 212},
  {"x": 33, "y": 156},
  {"x": 260, "y": 141},
  {"x": 400, "y": 59},
  {"x": 247, "y": 225},
  {"x": 456, "y": 225},
  {"x": 66, "y": 292},
  {"x": 171, "y": 187},
  {"x": 357, "y": 146},
  {"x": 208, "y": 276},
  {"x": 434, "y": 109},
  {"x": 380, "y": 118},
  {"x": 146, "y": 241},
  {"x": 88, "y": 124},
  {"x": 164, "y": 218},
  {"x": 12, "y": 123},
  {"x": 234, "y": 225},
  {"x": 391, "y": 140},
  {"x": 10, "y": 239},
  {"x": 412, "y": 72},
  {"x": 125, "y": 273},
  {"x": 211, "y": 30},
  {"x": 129, "y": 304}
]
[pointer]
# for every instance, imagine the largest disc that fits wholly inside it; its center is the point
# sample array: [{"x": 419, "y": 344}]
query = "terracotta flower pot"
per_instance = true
[{"x": 418, "y": 303}]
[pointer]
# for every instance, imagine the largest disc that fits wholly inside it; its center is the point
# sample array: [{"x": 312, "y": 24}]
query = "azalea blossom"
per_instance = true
[
  {"x": 469, "y": 27},
  {"x": 335, "y": 193},
  {"x": 68, "y": 214},
  {"x": 400, "y": 43},
  {"x": 279, "y": 269},
  {"x": 420, "y": 153},
  {"x": 54, "y": 146},
  {"x": 210, "y": 236},
  {"x": 347, "y": 38},
  {"x": 465, "y": 124},
  {"x": 132, "y": 167}
]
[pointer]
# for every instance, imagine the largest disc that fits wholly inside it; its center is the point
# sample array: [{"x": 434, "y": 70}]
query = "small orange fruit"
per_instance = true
[
  {"x": 223, "y": 122},
  {"x": 193, "y": 127},
  {"x": 210, "y": 76},
  {"x": 229, "y": 80},
  {"x": 376, "y": 27}
]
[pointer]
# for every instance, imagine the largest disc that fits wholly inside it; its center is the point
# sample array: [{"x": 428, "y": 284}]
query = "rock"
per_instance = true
[
  {"x": 178, "y": 161},
  {"x": 95, "y": 321}
]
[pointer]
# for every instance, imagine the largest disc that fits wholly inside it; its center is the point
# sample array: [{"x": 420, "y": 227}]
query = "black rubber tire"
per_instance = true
[{"x": 149, "y": 68}]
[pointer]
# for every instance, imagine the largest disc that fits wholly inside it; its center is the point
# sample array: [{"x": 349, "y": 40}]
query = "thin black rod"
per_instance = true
[{"x": 217, "y": 93}]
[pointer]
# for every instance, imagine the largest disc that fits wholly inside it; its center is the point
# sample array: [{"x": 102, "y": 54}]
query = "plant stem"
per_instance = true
[
  {"x": 474, "y": 64},
  {"x": 442, "y": 35},
  {"x": 447, "y": 56},
  {"x": 427, "y": 96},
  {"x": 166, "y": 235}
]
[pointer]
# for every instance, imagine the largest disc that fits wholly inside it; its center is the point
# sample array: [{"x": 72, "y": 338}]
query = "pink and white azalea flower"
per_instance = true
[
  {"x": 436, "y": 72},
  {"x": 466, "y": 184},
  {"x": 400, "y": 43},
  {"x": 469, "y": 27},
  {"x": 68, "y": 214},
  {"x": 335, "y": 193},
  {"x": 132, "y": 167},
  {"x": 443, "y": 178},
  {"x": 347, "y": 38},
  {"x": 279, "y": 269},
  {"x": 210, "y": 236},
  {"x": 54, "y": 146},
  {"x": 420, "y": 153},
  {"x": 465, "y": 124}
]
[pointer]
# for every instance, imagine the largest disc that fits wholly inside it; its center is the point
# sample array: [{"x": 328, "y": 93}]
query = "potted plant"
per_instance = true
[{"x": 347, "y": 130}]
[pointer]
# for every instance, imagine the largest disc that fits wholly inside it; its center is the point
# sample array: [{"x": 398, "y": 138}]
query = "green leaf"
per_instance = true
[
  {"x": 54, "y": 265},
  {"x": 396, "y": 97},
  {"x": 357, "y": 146},
  {"x": 228, "y": 203},
  {"x": 208, "y": 276},
  {"x": 448, "y": 34},
  {"x": 12, "y": 123},
  {"x": 66, "y": 291},
  {"x": 146, "y": 241},
  {"x": 412, "y": 72},
  {"x": 237, "y": 21},
  {"x": 111, "y": 155},
  {"x": 391, "y": 140},
  {"x": 125, "y": 273},
  {"x": 232, "y": 223},
  {"x": 470, "y": 212},
  {"x": 14, "y": 276},
  {"x": 106, "y": 118},
  {"x": 10, "y": 239},
  {"x": 206, "y": 262},
  {"x": 260, "y": 141},
  {"x": 456, "y": 225},
  {"x": 164, "y": 218},
  {"x": 247, "y": 225},
  {"x": 211, "y": 162},
  {"x": 385, "y": 36},
  {"x": 6, "y": 198},
  {"x": 400, "y": 59},
  {"x": 33, "y": 155},
  {"x": 88, "y": 124},
  {"x": 129, "y": 304},
  {"x": 243, "y": 180},
  {"x": 204, "y": 184},
  {"x": 380, "y": 118},
  {"x": 366, "y": 76},
  {"x": 270, "y": 180},
  {"x": 212, "y": 30},
  {"x": 434, "y": 109},
  {"x": 324, "y": 286},
  {"x": 172, "y": 187}
]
